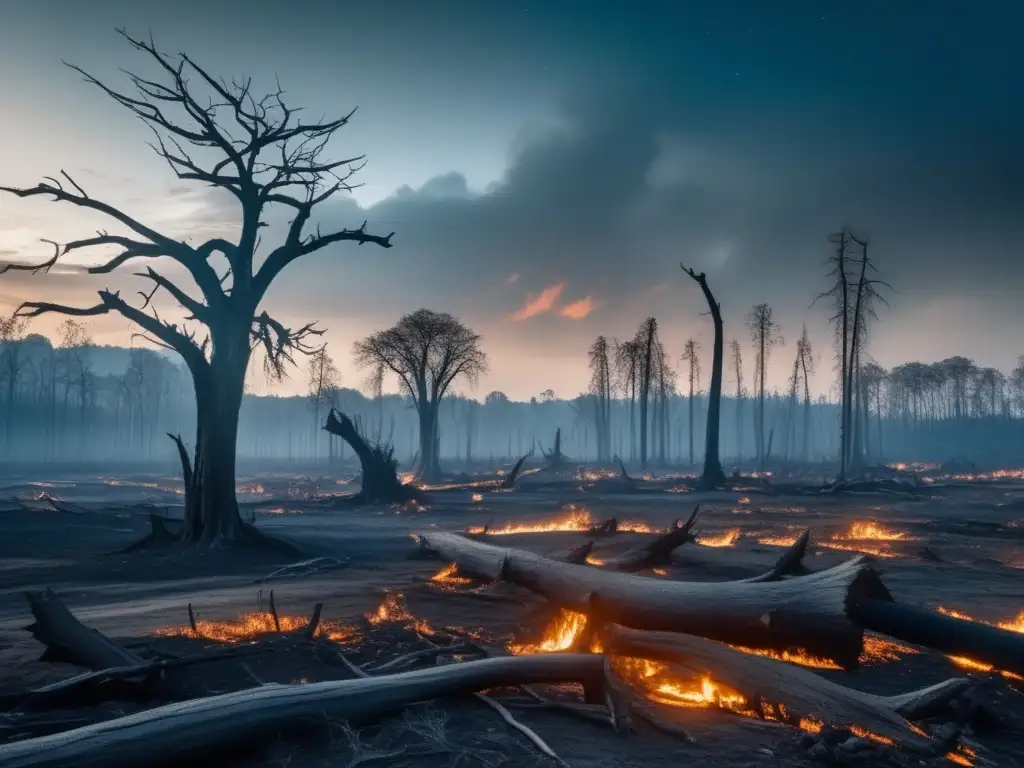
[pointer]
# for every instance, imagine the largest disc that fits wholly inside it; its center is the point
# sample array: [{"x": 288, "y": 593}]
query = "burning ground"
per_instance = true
[{"x": 955, "y": 553}]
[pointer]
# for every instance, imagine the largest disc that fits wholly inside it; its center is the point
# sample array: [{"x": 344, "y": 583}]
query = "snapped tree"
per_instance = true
[
  {"x": 713, "y": 476},
  {"x": 267, "y": 158},
  {"x": 427, "y": 351}
]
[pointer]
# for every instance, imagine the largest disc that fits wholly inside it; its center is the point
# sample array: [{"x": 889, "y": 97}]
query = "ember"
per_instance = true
[
  {"x": 478, "y": 497},
  {"x": 971, "y": 665},
  {"x": 726, "y": 539},
  {"x": 392, "y": 609},
  {"x": 778, "y": 541},
  {"x": 870, "y": 531},
  {"x": 575, "y": 520},
  {"x": 637, "y": 526},
  {"x": 798, "y": 656},
  {"x": 250, "y": 626},
  {"x": 559, "y": 635},
  {"x": 448, "y": 579},
  {"x": 878, "y": 650}
]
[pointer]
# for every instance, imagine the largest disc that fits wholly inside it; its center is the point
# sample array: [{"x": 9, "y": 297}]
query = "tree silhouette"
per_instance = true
[
  {"x": 267, "y": 158},
  {"x": 713, "y": 476},
  {"x": 601, "y": 389},
  {"x": 765, "y": 333},
  {"x": 427, "y": 351}
]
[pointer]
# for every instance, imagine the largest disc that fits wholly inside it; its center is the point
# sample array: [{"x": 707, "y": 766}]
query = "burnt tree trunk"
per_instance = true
[
  {"x": 979, "y": 642},
  {"x": 657, "y": 551},
  {"x": 802, "y": 693},
  {"x": 380, "y": 481},
  {"x": 429, "y": 469},
  {"x": 812, "y": 612}
]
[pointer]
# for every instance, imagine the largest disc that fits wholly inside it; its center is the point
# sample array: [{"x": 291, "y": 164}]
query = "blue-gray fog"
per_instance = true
[{"x": 546, "y": 168}]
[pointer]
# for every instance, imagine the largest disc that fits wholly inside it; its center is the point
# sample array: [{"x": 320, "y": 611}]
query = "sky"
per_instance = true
[{"x": 545, "y": 168}]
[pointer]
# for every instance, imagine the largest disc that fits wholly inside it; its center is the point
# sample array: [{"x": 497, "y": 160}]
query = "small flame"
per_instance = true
[
  {"x": 863, "y": 734},
  {"x": 797, "y": 656},
  {"x": 559, "y": 635},
  {"x": 726, "y": 539},
  {"x": 575, "y": 519},
  {"x": 870, "y": 531},
  {"x": 743, "y": 500},
  {"x": 592, "y": 560},
  {"x": 249, "y": 626},
  {"x": 391, "y": 609},
  {"x": 448, "y": 578},
  {"x": 878, "y": 650},
  {"x": 660, "y": 572},
  {"x": 477, "y": 497},
  {"x": 778, "y": 541},
  {"x": 637, "y": 526},
  {"x": 962, "y": 756},
  {"x": 1015, "y": 624}
]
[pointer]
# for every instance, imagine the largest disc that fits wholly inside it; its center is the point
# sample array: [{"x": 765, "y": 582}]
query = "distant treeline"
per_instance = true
[{"x": 89, "y": 403}]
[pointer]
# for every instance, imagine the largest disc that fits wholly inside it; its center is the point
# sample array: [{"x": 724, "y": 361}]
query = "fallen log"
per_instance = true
[
  {"x": 811, "y": 612},
  {"x": 656, "y": 552},
  {"x": 1000, "y": 648},
  {"x": 380, "y": 481},
  {"x": 68, "y": 640},
  {"x": 198, "y": 728},
  {"x": 802, "y": 693}
]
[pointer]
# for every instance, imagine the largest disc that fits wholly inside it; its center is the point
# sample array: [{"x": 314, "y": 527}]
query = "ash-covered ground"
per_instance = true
[{"x": 957, "y": 547}]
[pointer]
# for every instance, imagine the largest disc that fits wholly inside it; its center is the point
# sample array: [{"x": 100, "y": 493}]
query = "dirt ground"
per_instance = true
[{"x": 961, "y": 549}]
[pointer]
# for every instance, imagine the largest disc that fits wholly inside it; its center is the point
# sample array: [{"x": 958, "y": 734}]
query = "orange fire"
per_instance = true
[
  {"x": 559, "y": 635},
  {"x": 250, "y": 626},
  {"x": 575, "y": 519},
  {"x": 726, "y": 539},
  {"x": 743, "y": 500},
  {"x": 778, "y": 541},
  {"x": 1015, "y": 624},
  {"x": 878, "y": 650},
  {"x": 861, "y": 733},
  {"x": 391, "y": 609},
  {"x": 592, "y": 560},
  {"x": 962, "y": 756},
  {"x": 637, "y": 526},
  {"x": 477, "y": 497},
  {"x": 448, "y": 578},
  {"x": 798, "y": 656},
  {"x": 870, "y": 531}
]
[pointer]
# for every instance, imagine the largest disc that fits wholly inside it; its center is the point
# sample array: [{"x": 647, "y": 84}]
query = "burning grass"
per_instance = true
[
  {"x": 725, "y": 539},
  {"x": 392, "y": 608},
  {"x": 574, "y": 519},
  {"x": 448, "y": 578},
  {"x": 869, "y": 538},
  {"x": 253, "y": 626}
]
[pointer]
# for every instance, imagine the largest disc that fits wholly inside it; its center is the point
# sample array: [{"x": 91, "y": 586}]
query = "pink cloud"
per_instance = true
[
  {"x": 538, "y": 303},
  {"x": 579, "y": 309}
]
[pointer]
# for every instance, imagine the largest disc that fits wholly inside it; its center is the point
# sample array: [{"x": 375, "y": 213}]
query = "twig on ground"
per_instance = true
[{"x": 426, "y": 653}]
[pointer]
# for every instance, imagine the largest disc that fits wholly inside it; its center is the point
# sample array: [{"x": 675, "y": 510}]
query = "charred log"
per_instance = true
[
  {"x": 199, "y": 728},
  {"x": 380, "y": 481},
  {"x": 656, "y": 552},
  {"x": 803, "y": 694},
  {"x": 812, "y": 612},
  {"x": 509, "y": 480},
  {"x": 1001, "y": 648}
]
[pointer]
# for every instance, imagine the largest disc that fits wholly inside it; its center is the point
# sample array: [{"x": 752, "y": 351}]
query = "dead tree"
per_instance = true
[
  {"x": 627, "y": 365},
  {"x": 269, "y": 159},
  {"x": 601, "y": 389},
  {"x": 713, "y": 476},
  {"x": 555, "y": 458},
  {"x": 646, "y": 343},
  {"x": 806, "y": 362},
  {"x": 426, "y": 351},
  {"x": 691, "y": 358},
  {"x": 737, "y": 366},
  {"x": 380, "y": 481},
  {"x": 322, "y": 383},
  {"x": 765, "y": 333}
]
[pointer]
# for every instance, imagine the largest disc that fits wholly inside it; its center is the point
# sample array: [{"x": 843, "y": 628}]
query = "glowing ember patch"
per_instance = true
[
  {"x": 871, "y": 531},
  {"x": 962, "y": 756},
  {"x": 575, "y": 520},
  {"x": 860, "y": 732},
  {"x": 251, "y": 626},
  {"x": 743, "y": 500},
  {"x": 979, "y": 666},
  {"x": 448, "y": 578},
  {"x": 953, "y": 613},
  {"x": 799, "y": 657},
  {"x": 679, "y": 489},
  {"x": 637, "y": 526},
  {"x": 1014, "y": 625},
  {"x": 878, "y": 650},
  {"x": 810, "y": 725},
  {"x": 478, "y": 497},
  {"x": 591, "y": 560},
  {"x": 778, "y": 541},
  {"x": 881, "y": 550},
  {"x": 559, "y": 635},
  {"x": 660, "y": 572},
  {"x": 726, "y": 539},
  {"x": 392, "y": 609}
]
